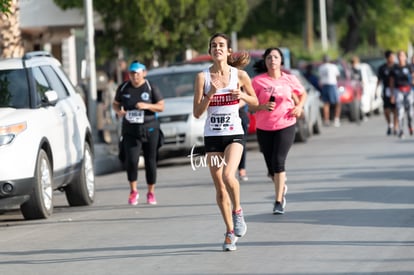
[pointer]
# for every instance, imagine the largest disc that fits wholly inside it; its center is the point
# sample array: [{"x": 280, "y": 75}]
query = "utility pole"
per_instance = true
[
  {"x": 234, "y": 41},
  {"x": 309, "y": 25},
  {"x": 324, "y": 36},
  {"x": 90, "y": 64}
]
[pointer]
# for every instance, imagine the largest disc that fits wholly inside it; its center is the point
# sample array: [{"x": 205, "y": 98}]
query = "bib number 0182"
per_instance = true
[{"x": 220, "y": 119}]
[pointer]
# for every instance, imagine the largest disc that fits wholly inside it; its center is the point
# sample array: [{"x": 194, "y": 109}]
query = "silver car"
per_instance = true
[
  {"x": 182, "y": 131},
  {"x": 311, "y": 121}
]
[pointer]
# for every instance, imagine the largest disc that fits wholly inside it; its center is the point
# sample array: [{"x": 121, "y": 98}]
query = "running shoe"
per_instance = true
[
  {"x": 151, "y": 198},
  {"x": 278, "y": 208},
  {"x": 229, "y": 242},
  {"x": 337, "y": 123},
  {"x": 410, "y": 129},
  {"x": 133, "y": 198},
  {"x": 240, "y": 226},
  {"x": 244, "y": 178},
  {"x": 401, "y": 134}
]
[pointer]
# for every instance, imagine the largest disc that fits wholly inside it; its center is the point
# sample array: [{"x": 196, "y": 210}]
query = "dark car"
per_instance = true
[{"x": 374, "y": 62}]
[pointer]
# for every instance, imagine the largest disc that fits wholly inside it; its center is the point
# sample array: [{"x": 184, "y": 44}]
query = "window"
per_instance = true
[
  {"x": 55, "y": 82},
  {"x": 174, "y": 84},
  {"x": 14, "y": 91},
  {"x": 41, "y": 83}
]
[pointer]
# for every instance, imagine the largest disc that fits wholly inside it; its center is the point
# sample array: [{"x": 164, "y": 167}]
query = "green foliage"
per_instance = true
[
  {"x": 355, "y": 26},
  {"x": 5, "y": 6},
  {"x": 276, "y": 15},
  {"x": 399, "y": 32},
  {"x": 165, "y": 28},
  {"x": 385, "y": 24},
  {"x": 162, "y": 27}
]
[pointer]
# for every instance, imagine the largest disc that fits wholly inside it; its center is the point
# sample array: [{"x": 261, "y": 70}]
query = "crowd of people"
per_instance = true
[
  {"x": 401, "y": 86},
  {"x": 396, "y": 77},
  {"x": 225, "y": 92}
]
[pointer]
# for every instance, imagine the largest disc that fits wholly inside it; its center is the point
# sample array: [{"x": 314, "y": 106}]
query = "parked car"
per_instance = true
[
  {"x": 45, "y": 137},
  {"x": 350, "y": 91},
  {"x": 310, "y": 123},
  {"x": 374, "y": 62},
  {"x": 182, "y": 131},
  {"x": 371, "y": 100}
]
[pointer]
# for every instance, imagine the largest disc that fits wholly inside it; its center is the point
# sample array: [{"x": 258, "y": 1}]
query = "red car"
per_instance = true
[{"x": 350, "y": 91}]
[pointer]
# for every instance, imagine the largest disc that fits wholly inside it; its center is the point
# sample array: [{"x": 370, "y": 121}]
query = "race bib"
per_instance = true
[
  {"x": 219, "y": 122},
  {"x": 135, "y": 116}
]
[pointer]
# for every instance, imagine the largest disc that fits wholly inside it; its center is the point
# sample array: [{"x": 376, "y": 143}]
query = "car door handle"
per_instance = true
[{"x": 62, "y": 114}]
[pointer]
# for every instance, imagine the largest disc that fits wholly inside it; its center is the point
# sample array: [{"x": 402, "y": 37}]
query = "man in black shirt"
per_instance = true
[{"x": 389, "y": 107}]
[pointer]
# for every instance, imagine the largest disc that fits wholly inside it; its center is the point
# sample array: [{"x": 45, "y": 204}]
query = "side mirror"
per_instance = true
[{"x": 51, "y": 97}]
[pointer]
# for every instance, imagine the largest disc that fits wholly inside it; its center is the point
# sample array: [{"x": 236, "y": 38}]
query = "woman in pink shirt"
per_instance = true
[{"x": 276, "y": 117}]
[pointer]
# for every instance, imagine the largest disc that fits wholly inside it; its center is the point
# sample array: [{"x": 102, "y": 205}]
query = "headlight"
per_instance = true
[{"x": 8, "y": 133}]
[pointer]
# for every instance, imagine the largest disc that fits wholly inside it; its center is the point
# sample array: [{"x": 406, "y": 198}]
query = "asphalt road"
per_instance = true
[{"x": 350, "y": 210}]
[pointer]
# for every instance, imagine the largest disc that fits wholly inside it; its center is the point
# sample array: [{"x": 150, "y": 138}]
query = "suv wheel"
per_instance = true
[
  {"x": 82, "y": 190},
  {"x": 40, "y": 203}
]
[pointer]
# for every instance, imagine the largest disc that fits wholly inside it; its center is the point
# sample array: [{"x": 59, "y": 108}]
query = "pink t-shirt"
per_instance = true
[{"x": 282, "y": 90}]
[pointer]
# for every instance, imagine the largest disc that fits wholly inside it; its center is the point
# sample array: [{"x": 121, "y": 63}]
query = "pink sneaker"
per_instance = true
[
  {"x": 151, "y": 198},
  {"x": 133, "y": 198}
]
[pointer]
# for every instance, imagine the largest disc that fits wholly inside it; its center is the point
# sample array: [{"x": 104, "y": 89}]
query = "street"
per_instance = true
[{"x": 350, "y": 210}]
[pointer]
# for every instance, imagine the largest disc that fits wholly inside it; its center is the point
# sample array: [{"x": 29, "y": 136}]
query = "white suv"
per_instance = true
[{"x": 45, "y": 137}]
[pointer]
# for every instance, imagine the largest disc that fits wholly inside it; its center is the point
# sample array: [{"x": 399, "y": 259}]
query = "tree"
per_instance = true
[
  {"x": 162, "y": 27},
  {"x": 386, "y": 23},
  {"x": 10, "y": 36},
  {"x": 5, "y": 6},
  {"x": 354, "y": 24}
]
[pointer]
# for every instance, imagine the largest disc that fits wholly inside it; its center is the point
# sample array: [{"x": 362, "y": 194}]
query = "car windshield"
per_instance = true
[
  {"x": 174, "y": 84},
  {"x": 14, "y": 91}
]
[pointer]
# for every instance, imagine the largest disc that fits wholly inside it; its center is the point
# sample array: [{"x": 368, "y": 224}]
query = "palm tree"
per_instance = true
[{"x": 10, "y": 36}]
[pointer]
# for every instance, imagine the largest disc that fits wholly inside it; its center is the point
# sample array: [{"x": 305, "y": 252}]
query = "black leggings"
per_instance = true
[
  {"x": 275, "y": 146},
  {"x": 149, "y": 147}
]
